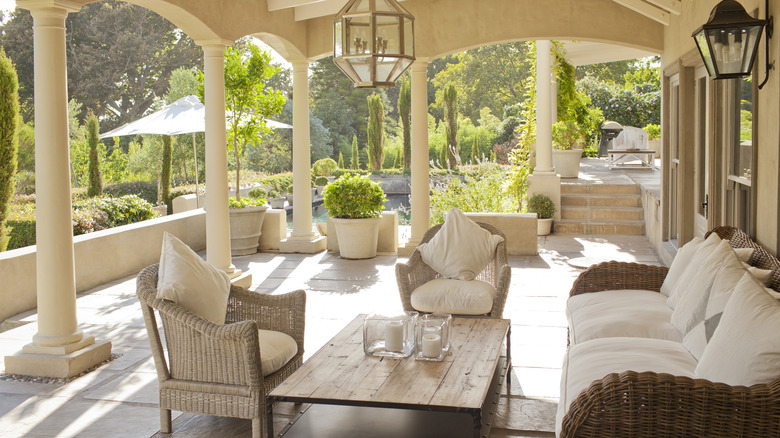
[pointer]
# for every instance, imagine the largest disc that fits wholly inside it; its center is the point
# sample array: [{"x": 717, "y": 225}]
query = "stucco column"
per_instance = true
[
  {"x": 217, "y": 218},
  {"x": 544, "y": 180},
  {"x": 58, "y": 333},
  {"x": 543, "y": 108},
  {"x": 303, "y": 239},
  {"x": 421, "y": 202}
]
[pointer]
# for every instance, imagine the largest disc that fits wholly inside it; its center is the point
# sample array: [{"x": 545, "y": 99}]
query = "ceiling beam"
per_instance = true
[
  {"x": 673, "y": 6},
  {"x": 319, "y": 9},
  {"x": 275, "y": 5},
  {"x": 647, "y": 10}
]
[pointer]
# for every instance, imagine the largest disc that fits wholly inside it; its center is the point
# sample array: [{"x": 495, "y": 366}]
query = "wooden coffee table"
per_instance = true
[{"x": 340, "y": 373}]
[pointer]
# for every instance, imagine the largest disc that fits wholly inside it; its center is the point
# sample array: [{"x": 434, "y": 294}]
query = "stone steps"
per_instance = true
[{"x": 601, "y": 209}]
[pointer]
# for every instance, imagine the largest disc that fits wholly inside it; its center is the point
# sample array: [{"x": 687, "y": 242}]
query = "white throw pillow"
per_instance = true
[
  {"x": 692, "y": 269},
  {"x": 744, "y": 254},
  {"x": 460, "y": 249},
  {"x": 679, "y": 264},
  {"x": 189, "y": 281},
  {"x": 745, "y": 349},
  {"x": 444, "y": 295},
  {"x": 762, "y": 275},
  {"x": 276, "y": 349},
  {"x": 726, "y": 280},
  {"x": 692, "y": 303}
]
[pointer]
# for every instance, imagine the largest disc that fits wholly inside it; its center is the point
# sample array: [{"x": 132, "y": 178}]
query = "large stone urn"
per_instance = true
[
  {"x": 567, "y": 162},
  {"x": 246, "y": 225},
  {"x": 357, "y": 237}
]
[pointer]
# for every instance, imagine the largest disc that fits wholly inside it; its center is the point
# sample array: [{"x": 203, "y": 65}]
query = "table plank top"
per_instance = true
[{"x": 341, "y": 372}]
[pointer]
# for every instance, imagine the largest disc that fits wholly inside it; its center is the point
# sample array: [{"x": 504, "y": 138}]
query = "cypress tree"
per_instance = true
[
  {"x": 405, "y": 114},
  {"x": 475, "y": 149},
  {"x": 355, "y": 160},
  {"x": 451, "y": 117},
  {"x": 9, "y": 140},
  {"x": 445, "y": 162},
  {"x": 341, "y": 160},
  {"x": 95, "y": 187},
  {"x": 375, "y": 131},
  {"x": 165, "y": 173}
]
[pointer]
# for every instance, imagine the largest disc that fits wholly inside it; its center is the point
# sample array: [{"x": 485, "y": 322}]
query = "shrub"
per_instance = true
[
  {"x": 9, "y": 140},
  {"x": 321, "y": 181},
  {"x": 354, "y": 197},
  {"x": 146, "y": 190},
  {"x": 258, "y": 192},
  {"x": 25, "y": 182},
  {"x": 324, "y": 167},
  {"x": 21, "y": 222},
  {"x": 486, "y": 189},
  {"x": 119, "y": 211},
  {"x": 88, "y": 220},
  {"x": 542, "y": 205},
  {"x": 175, "y": 193},
  {"x": 95, "y": 176},
  {"x": 278, "y": 182},
  {"x": 245, "y": 202},
  {"x": 653, "y": 131}
]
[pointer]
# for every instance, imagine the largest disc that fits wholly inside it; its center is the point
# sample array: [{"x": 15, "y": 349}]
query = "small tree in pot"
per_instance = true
[
  {"x": 355, "y": 205},
  {"x": 246, "y": 222},
  {"x": 544, "y": 208}
]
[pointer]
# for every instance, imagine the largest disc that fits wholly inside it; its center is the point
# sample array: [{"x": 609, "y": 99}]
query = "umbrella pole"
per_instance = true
[{"x": 197, "y": 186}]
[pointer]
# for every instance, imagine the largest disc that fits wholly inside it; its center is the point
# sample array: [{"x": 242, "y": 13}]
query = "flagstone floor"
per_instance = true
[{"x": 119, "y": 399}]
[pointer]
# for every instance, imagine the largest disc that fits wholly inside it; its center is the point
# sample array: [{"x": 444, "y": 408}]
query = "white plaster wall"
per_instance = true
[{"x": 100, "y": 257}]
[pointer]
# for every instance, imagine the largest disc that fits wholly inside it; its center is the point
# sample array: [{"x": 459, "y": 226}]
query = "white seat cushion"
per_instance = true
[
  {"x": 590, "y": 361},
  {"x": 276, "y": 349},
  {"x": 461, "y": 248},
  {"x": 187, "y": 280},
  {"x": 444, "y": 295},
  {"x": 604, "y": 315}
]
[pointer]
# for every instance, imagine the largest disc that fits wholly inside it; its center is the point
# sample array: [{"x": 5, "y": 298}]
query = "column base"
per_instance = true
[
  {"x": 547, "y": 184},
  {"x": 406, "y": 249},
  {"x": 310, "y": 245},
  {"x": 244, "y": 280},
  {"x": 57, "y": 365}
]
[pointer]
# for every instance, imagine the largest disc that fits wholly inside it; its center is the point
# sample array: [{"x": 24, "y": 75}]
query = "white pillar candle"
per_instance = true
[
  {"x": 431, "y": 345},
  {"x": 394, "y": 336}
]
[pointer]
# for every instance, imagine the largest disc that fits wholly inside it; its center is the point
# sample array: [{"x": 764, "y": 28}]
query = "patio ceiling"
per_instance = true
[{"x": 588, "y": 52}]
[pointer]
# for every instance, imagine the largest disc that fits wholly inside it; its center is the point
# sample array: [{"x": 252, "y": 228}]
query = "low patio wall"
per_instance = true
[
  {"x": 519, "y": 228},
  {"x": 100, "y": 257}
]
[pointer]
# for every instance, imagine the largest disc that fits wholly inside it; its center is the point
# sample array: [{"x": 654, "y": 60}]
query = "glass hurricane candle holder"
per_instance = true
[
  {"x": 389, "y": 335},
  {"x": 432, "y": 336}
]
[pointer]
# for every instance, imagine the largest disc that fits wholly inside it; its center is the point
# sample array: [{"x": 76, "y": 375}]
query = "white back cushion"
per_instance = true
[
  {"x": 745, "y": 349},
  {"x": 692, "y": 269},
  {"x": 460, "y": 249},
  {"x": 679, "y": 264},
  {"x": 189, "y": 281}
]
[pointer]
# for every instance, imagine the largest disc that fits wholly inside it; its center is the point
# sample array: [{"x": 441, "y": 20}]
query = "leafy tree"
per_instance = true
[
  {"x": 354, "y": 162},
  {"x": 26, "y": 154},
  {"x": 248, "y": 99},
  {"x": 613, "y": 72},
  {"x": 120, "y": 57},
  {"x": 491, "y": 76},
  {"x": 375, "y": 130},
  {"x": 184, "y": 82},
  {"x": 405, "y": 115},
  {"x": 451, "y": 117},
  {"x": 95, "y": 187},
  {"x": 9, "y": 143}
]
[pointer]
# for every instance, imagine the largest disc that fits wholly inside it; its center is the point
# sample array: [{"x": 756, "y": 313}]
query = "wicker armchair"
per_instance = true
[
  {"x": 214, "y": 369},
  {"x": 648, "y": 404},
  {"x": 415, "y": 272}
]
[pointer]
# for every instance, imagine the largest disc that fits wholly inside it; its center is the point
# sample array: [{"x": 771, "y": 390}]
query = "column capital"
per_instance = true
[
  {"x": 300, "y": 64},
  {"x": 214, "y": 46},
  {"x": 49, "y": 6},
  {"x": 420, "y": 64}
]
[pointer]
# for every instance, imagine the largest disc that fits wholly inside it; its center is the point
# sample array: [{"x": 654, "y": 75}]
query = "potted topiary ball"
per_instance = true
[
  {"x": 275, "y": 199},
  {"x": 246, "y": 223},
  {"x": 321, "y": 182},
  {"x": 544, "y": 208},
  {"x": 355, "y": 205}
]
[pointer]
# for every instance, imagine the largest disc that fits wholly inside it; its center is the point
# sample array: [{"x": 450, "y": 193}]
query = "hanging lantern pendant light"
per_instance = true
[
  {"x": 373, "y": 42},
  {"x": 729, "y": 40}
]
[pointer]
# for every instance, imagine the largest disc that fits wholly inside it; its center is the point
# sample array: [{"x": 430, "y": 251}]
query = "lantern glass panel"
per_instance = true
[
  {"x": 358, "y": 35},
  {"x": 408, "y": 37},
  {"x": 388, "y": 36},
  {"x": 751, "y": 38},
  {"x": 338, "y": 39},
  {"x": 704, "y": 50},
  {"x": 346, "y": 67}
]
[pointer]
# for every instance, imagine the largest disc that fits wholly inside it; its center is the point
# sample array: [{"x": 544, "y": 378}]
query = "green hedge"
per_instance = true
[{"x": 146, "y": 190}]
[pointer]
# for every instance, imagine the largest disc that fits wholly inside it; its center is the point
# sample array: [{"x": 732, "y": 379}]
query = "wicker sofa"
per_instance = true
[{"x": 644, "y": 399}]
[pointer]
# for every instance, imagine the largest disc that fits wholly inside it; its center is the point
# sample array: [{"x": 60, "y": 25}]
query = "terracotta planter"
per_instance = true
[
  {"x": 357, "y": 237},
  {"x": 567, "y": 163},
  {"x": 543, "y": 226},
  {"x": 246, "y": 225},
  {"x": 276, "y": 202}
]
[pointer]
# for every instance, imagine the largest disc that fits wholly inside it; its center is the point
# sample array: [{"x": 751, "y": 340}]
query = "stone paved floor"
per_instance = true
[{"x": 119, "y": 399}]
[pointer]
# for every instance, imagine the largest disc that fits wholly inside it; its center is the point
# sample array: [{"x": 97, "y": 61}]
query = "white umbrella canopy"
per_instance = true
[{"x": 185, "y": 116}]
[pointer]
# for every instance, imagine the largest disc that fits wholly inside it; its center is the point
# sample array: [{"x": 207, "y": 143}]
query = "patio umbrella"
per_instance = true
[{"x": 184, "y": 116}]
